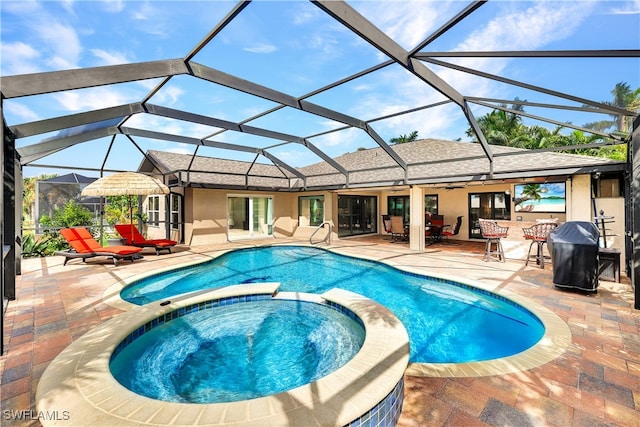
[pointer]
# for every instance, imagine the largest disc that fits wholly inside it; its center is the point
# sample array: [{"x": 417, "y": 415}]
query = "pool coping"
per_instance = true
[
  {"x": 554, "y": 342},
  {"x": 79, "y": 379}
]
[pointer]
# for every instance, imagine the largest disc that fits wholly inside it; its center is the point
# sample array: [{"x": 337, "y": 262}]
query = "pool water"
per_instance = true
[
  {"x": 237, "y": 352},
  {"x": 447, "y": 322}
]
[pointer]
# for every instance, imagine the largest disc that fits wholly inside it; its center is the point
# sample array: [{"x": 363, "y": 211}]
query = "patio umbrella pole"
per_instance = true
[{"x": 131, "y": 217}]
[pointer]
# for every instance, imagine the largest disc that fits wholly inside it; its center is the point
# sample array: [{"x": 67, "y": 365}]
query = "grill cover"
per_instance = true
[{"x": 574, "y": 254}]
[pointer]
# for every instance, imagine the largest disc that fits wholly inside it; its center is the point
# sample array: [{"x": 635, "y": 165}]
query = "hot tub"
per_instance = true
[{"x": 369, "y": 387}]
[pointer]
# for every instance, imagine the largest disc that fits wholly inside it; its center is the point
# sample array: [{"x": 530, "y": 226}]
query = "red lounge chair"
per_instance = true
[
  {"x": 84, "y": 246},
  {"x": 134, "y": 238}
]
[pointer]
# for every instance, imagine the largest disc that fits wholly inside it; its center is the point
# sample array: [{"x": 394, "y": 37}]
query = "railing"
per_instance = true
[{"x": 327, "y": 238}]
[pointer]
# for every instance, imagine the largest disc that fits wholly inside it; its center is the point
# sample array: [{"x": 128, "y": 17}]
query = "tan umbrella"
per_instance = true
[{"x": 126, "y": 184}]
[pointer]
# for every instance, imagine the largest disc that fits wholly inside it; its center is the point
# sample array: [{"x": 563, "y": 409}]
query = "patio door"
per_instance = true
[
  {"x": 487, "y": 206},
  {"x": 249, "y": 216},
  {"x": 357, "y": 215}
]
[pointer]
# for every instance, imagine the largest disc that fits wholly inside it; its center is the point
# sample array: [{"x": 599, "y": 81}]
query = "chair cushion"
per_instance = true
[
  {"x": 83, "y": 242},
  {"x": 120, "y": 250},
  {"x": 80, "y": 239}
]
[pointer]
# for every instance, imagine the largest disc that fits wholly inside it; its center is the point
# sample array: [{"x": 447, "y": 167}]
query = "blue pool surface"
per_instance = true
[
  {"x": 447, "y": 322},
  {"x": 238, "y": 352}
]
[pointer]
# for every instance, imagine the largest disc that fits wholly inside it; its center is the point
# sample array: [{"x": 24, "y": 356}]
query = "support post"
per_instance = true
[
  {"x": 634, "y": 159},
  {"x": 416, "y": 220}
]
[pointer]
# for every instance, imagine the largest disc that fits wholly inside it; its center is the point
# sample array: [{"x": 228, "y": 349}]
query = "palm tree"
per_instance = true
[
  {"x": 28, "y": 199},
  {"x": 625, "y": 98},
  {"x": 500, "y": 127},
  {"x": 413, "y": 136}
]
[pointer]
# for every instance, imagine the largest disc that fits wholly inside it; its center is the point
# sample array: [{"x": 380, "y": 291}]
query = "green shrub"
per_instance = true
[
  {"x": 32, "y": 247},
  {"x": 71, "y": 215}
]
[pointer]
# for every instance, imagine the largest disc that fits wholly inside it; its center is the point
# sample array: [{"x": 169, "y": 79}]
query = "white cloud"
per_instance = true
[
  {"x": 169, "y": 126},
  {"x": 113, "y": 6},
  {"x": 168, "y": 95},
  {"x": 261, "y": 48},
  {"x": 18, "y": 58},
  {"x": 363, "y": 87},
  {"x": 407, "y": 22},
  {"x": 305, "y": 15},
  {"x": 628, "y": 8},
  {"x": 68, "y": 6},
  {"x": 343, "y": 139},
  {"x": 56, "y": 42},
  {"x": 324, "y": 43},
  {"x": 20, "y": 111},
  {"x": 180, "y": 149},
  {"x": 90, "y": 99},
  {"x": 109, "y": 58},
  {"x": 528, "y": 29},
  {"x": 152, "y": 20},
  {"x": 532, "y": 28},
  {"x": 62, "y": 44}
]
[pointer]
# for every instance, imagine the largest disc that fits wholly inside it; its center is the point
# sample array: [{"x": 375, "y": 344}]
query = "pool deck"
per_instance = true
[{"x": 594, "y": 382}]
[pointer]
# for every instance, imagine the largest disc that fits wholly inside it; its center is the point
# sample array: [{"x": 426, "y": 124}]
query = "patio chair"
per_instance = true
[
  {"x": 398, "y": 231},
  {"x": 386, "y": 222},
  {"x": 538, "y": 233},
  {"x": 493, "y": 233},
  {"x": 447, "y": 231},
  {"x": 83, "y": 246},
  {"x": 135, "y": 238},
  {"x": 434, "y": 227}
]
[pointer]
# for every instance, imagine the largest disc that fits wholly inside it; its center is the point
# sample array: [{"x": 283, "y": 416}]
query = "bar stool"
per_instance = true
[
  {"x": 538, "y": 234},
  {"x": 493, "y": 233}
]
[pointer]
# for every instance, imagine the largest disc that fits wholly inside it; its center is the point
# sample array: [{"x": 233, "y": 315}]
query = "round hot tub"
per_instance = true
[
  {"x": 216, "y": 352},
  {"x": 360, "y": 388}
]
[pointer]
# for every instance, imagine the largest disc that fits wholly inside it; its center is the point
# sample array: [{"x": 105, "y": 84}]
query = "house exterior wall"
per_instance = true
[
  {"x": 579, "y": 206},
  {"x": 205, "y": 214},
  {"x": 615, "y": 234}
]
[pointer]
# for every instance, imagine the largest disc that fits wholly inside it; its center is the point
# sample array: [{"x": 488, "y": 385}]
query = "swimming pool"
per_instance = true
[{"x": 447, "y": 321}]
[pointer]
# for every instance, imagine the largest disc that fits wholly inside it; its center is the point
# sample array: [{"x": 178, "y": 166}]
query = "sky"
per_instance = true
[{"x": 295, "y": 48}]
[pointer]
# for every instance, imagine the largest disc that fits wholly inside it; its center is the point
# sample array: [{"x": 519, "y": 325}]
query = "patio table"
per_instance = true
[{"x": 436, "y": 232}]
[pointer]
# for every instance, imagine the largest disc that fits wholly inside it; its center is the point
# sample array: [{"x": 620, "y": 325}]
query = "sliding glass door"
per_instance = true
[
  {"x": 357, "y": 215},
  {"x": 249, "y": 216}
]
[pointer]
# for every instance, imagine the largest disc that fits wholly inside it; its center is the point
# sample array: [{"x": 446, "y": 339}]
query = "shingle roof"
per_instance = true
[
  {"x": 428, "y": 161},
  {"x": 223, "y": 173}
]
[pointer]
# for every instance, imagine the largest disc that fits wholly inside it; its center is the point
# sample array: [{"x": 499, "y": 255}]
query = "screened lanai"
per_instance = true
[{"x": 295, "y": 84}]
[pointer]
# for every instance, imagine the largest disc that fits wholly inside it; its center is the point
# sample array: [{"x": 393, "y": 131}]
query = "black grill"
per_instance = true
[{"x": 574, "y": 254}]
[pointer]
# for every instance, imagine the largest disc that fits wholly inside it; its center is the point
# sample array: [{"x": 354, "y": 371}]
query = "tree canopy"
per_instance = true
[
  {"x": 413, "y": 136},
  {"x": 505, "y": 128}
]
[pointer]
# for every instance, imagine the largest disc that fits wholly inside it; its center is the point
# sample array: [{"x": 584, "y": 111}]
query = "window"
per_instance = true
[
  {"x": 175, "y": 211},
  {"x": 310, "y": 210},
  {"x": 431, "y": 204},
  {"x": 608, "y": 185},
  {"x": 153, "y": 210},
  {"x": 399, "y": 206}
]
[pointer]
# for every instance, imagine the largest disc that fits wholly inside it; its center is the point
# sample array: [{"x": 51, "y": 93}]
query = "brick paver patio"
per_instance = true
[{"x": 596, "y": 382}]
